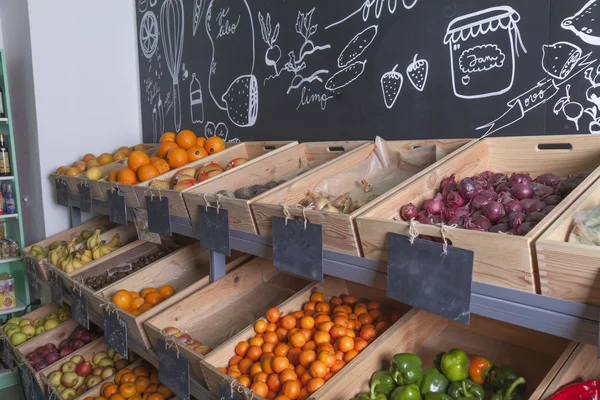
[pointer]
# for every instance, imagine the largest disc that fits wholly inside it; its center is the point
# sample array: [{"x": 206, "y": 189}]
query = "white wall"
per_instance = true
[{"x": 84, "y": 56}]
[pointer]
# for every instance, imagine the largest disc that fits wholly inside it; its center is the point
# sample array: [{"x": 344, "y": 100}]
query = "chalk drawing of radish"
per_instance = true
[
  {"x": 573, "y": 111},
  {"x": 269, "y": 35}
]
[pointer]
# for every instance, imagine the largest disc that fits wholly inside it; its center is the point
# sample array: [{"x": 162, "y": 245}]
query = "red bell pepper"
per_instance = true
[
  {"x": 480, "y": 369},
  {"x": 589, "y": 390}
]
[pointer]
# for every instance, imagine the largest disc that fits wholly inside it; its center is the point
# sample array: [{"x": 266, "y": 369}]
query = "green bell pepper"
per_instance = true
[
  {"x": 408, "y": 392},
  {"x": 455, "y": 365},
  {"x": 367, "y": 396},
  {"x": 382, "y": 382},
  {"x": 432, "y": 381},
  {"x": 503, "y": 377},
  {"x": 437, "y": 361},
  {"x": 406, "y": 368},
  {"x": 466, "y": 389},
  {"x": 511, "y": 393},
  {"x": 437, "y": 396}
]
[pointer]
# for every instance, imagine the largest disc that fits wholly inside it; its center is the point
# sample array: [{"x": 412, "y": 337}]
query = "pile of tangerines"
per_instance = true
[
  {"x": 174, "y": 151},
  {"x": 292, "y": 356},
  {"x": 90, "y": 161},
  {"x": 141, "y": 383},
  {"x": 136, "y": 303}
]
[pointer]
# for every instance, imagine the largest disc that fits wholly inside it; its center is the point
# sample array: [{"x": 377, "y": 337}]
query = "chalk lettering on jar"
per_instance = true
[
  {"x": 308, "y": 98},
  {"x": 484, "y": 70},
  {"x": 583, "y": 22},
  {"x": 377, "y": 6}
]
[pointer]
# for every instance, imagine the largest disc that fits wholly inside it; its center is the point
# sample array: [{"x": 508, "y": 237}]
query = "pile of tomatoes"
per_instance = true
[
  {"x": 141, "y": 383},
  {"x": 292, "y": 356}
]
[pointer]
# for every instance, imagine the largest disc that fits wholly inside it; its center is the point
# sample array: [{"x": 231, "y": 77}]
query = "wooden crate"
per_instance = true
[
  {"x": 250, "y": 150},
  {"x": 329, "y": 287},
  {"x": 570, "y": 271},
  {"x": 102, "y": 223},
  {"x": 289, "y": 164},
  {"x": 339, "y": 230},
  {"x": 223, "y": 308},
  {"x": 126, "y": 254},
  {"x": 187, "y": 270},
  {"x": 501, "y": 260},
  {"x": 582, "y": 365},
  {"x": 33, "y": 315},
  {"x": 535, "y": 355}
]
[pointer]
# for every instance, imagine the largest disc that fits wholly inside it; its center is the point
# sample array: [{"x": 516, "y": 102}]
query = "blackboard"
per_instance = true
[{"x": 353, "y": 69}]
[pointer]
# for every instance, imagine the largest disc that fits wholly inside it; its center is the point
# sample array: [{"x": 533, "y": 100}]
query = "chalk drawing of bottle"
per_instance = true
[{"x": 196, "y": 102}]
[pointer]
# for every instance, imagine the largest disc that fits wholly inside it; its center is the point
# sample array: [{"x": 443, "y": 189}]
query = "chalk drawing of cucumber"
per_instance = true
[
  {"x": 357, "y": 46},
  {"x": 346, "y": 76}
]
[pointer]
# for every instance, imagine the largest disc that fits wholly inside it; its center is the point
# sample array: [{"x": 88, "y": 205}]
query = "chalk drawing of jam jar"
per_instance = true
[{"x": 483, "y": 46}]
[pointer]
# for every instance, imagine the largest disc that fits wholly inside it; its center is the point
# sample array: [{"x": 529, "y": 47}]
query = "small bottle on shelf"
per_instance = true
[
  {"x": 4, "y": 158},
  {"x": 9, "y": 201}
]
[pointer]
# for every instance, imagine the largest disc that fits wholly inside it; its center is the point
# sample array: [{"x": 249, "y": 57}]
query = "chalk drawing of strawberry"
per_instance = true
[
  {"x": 417, "y": 73},
  {"x": 391, "y": 84}
]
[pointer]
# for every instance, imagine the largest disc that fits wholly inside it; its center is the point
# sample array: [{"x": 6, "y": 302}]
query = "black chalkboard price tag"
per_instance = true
[
  {"x": 32, "y": 280},
  {"x": 79, "y": 307},
  {"x": 117, "y": 208},
  {"x": 298, "y": 248},
  {"x": 225, "y": 392},
  {"x": 420, "y": 274},
  {"x": 56, "y": 292},
  {"x": 173, "y": 370},
  {"x": 115, "y": 332},
  {"x": 62, "y": 192},
  {"x": 214, "y": 229},
  {"x": 6, "y": 352},
  {"x": 85, "y": 196},
  {"x": 159, "y": 220}
]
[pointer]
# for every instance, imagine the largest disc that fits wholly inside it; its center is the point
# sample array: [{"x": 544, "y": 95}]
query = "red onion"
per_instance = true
[
  {"x": 541, "y": 191},
  {"x": 552, "y": 200},
  {"x": 493, "y": 211},
  {"x": 482, "y": 181},
  {"x": 424, "y": 218},
  {"x": 496, "y": 179},
  {"x": 452, "y": 187},
  {"x": 447, "y": 181},
  {"x": 490, "y": 190},
  {"x": 525, "y": 227},
  {"x": 477, "y": 228},
  {"x": 521, "y": 191},
  {"x": 469, "y": 188},
  {"x": 582, "y": 176},
  {"x": 486, "y": 175},
  {"x": 515, "y": 219},
  {"x": 535, "y": 216},
  {"x": 434, "y": 206},
  {"x": 478, "y": 213},
  {"x": 513, "y": 206},
  {"x": 408, "y": 211},
  {"x": 547, "y": 210},
  {"x": 437, "y": 219},
  {"x": 548, "y": 179},
  {"x": 532, "y": 205},
  {"x": 500, "y": 228},
  {"x": 516, "y": 179},
  {"x": 454, "y": 199},
  {"x": 481, "y": 222},
  {"x": 567, "y": 186},
  {"x": 480, "y": 200},
  {"x": 459, "y": 222},
  {"x": 505, "y": 197},
  {"x": 451, "y": 213},
  {"x": 502, "y": 187}
]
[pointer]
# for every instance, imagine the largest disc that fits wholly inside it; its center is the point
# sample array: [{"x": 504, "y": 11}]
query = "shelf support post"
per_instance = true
[
  {"x": 217, "y": 266},
  {"x": 75, "y": 213}
]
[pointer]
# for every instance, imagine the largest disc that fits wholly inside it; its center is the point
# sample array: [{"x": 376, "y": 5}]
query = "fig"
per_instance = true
[{"x": 243, "y": 193}]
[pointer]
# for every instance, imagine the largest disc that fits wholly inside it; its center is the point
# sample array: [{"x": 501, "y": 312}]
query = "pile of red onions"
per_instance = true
[{"x": 494, "y": 202}]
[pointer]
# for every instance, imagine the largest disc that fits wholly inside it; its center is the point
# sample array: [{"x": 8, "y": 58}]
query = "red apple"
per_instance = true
[
  {"x": 77, "y": 344},
  {"x": 85, "y": 337},
  {"x": 65, "y": 351},
  {"x": 184, "y": 338},
  {"x": 98, "y": 371},
  {"x": 84, "y": 368},
  {"x": 52, "y": 357},
  {"x": 204, "y": 350},
  {"x": 171, "y": 331}
]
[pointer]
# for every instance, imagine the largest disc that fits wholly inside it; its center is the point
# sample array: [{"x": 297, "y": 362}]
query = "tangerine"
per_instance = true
[
  {"x": 186, "y": 139},
  {"x": 156, "y": 396},
  {"x": 272, "y": 314},
  {"x": 112, "y": 177},
  {"x": 161, "y": 164},
  {"x": 274, "y": 383},
  {"x": 177, "y": 157},
  {"x": 136, "y": 303},
  {"x": 124, "y": 149},
  {"x": 288, "y": 322},
  {"x": 110, "y": 389},
  {"x": 288, "y": 375},
  {"x": 127, "y": 390},
  {"x": 136, "y": 159},
  {"x": 165, "y": 391},
  {"x": 291, "y": 389},
  {"x": 127, "y": 177},
  {"x": 200, "y": 141},
  {"x": 260, "y": 388},
  {"x": 260, "y": 326},
  {"x": 88, "y": 157},
  {"x": 167, "y": 137},
  {"x": 167, "y": 291},
  {"x": 280, "y": 363},
  {"x": 147, "y": 290},
  {"x": 104, "y": 159},
  {"x": 122, "y": 299},
  {"x": 146, "y": 172},
  {"x": 129, "y": 377},
  {"x": 165, "y": 147},
  {"x": 214, "y": 144},
  {"x": 315, "y": 384},
  {"x": 154, "y": 298},
  {"x": 195, "y": 153}
]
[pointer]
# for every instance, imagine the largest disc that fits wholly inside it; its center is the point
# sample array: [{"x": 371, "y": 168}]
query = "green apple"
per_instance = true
[
  {"x": 51, "y": 315},
  {"x": 25, "y": 322},
  {"x": 62, "y": 317},
  {"x": 38, "y": 322},
  {"x": 106, "y": 362},
  {"x": 39, "y": 330},
  {"x": 50, "y": 324},
  {"x": 14, "y": 320},
  {"x": 18, "y": 337},
  {"x": 10, "y": 326},
  {"x": 12, "y": 330},
  {"x": 99, "y": 356},
  {"x": 29, "y": 330},
  {"x": 64, "y": 310}
]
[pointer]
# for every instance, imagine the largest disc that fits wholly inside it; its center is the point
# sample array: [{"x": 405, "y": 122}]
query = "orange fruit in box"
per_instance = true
[
  {"x": 137, "y": 303},
  {"x": 122, "y": 299},
  {"x": 165, "y": 391},
  {"x": 165, "y": 147},
  {"x": 168, "y": 137},
  {"x": 124, "y": 149},
  {"x": 147, "y": 172},
  {"x": 161, "y": 164},
  {"x": 147, "y": 290},
  {"x": 186, "y": 139},
  {"x": 119, "y": 155},
  {"x": 177, "y": 157},
  {"x": 136, "y": 159},
  {"x": 127, "y": 176},
  {"x": 110, "y": 389},
  {"x": 127, "y": 390},
  {"x": 214, "y": 144},
  {"x": 141, "y": 371},
  {"x": 140, "y": 147},
  {"x": 196, "y": 153},
  {"x": 88, "y": 157},
  {"x": 167, "y": 291},
  {"x": 200, "y": 141},
  {"x": 156, "y": 396},
  {"x": 105, "y": 158},
  {"x": 112, "y": 177},
  {"x": 154, "y": 298}
]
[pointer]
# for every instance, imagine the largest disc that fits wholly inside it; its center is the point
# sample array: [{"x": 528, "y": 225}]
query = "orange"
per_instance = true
[
  {"x": 323, "y": 307},
  {"x": 298, "y": 314},
  {"x": 310, "y": 345},
  {"x": 165, "y": 391},
  {"x": 129, "y": 377},
  {"x": 167, "y": 291},
  {"x": 345, "y": 343},
  {"x": 339, "y": 364},
  {"x": 161, "y": 164},
  {"x": 153, "y": 298},
  {"x": 307, "y": 322},
  {"x": 146, "y": 172},
  {"x": 281, "y": 349},
  {"x": 271, "y": 327},
  {"x": 112, "y": 177},
  {"x": 235, "y": 361},
  {"x": 242, "y": 349},
  {"x": 318, "y": 369},
  {"x": 88, "y": 157},
  {"x": 287, "y": 375},
  {"x": 141, "y": 371},
  {"x": 134, "y": 294},
  {"x": 267, "y": 365},
  {"x": 261, "y": 377},
  {"x": 268, "y": 348},
  {"x": 152, "y": 388},
  {"x": 310, "y": 306},
  {"x": 255, "y": 369},
  {"x": 272, "y": 314},
  {"x": 177, "y": 157},
  {"x": 280, "y": 363},
  {"x": 165, "y": 147},
  {"x": 349, "y": 356},
  {"x": 260, "y": 326},
  {"x": 214, "y": 144},
  {"x": 105, "y": 158},
  {"x": 120, "y": 374},
  {"x": 136, "y": 159},
  {"x": 124, "y": 149},
  {"x": 167, "y": 137},
  {"x": 156, "y": 396},
  {"x": 260, "y": 388},
  {"x": 314, "y": 384},
  {"x": 307, "y": 357},
  {"x": 281, "y": 333},
  {"x": 274, "y": 383},
  {"x": 186, "y": 139},
  {"x": 367, "y": 332},
  {"x": 135, "y": 312},
  {"x": 321, "y": 337},
  {"x": 338, "y": 331},
  {"x": 257, "y": 341},
  {"x": 200, "y": 141},
  {"x": 245, "y": 365},
  {"x": 336, "y": 301},
  {"x": 146, "y": 291},
  {"x": 317, "y": 297},
  {"x": 116, "y": 396},
  {"x": 140, "y": 147},
  {"x": 154, "y": 377},
  {"x": 254, "y": 353},
  {"x": 109, "y": 389},
  {"x": 127, "y": 390},
  {"x": 270, "y": 337},
  {"x": 127, "y": 177},
  {"x": 291, "y": 389},
  {"x": 360, "y": 344},
  {"x": 282, "y": 397},
  {"x": 137, "y": 303},
  {"x": 288, "y": 322},
  {"x": 119, "y": 155},
  {"x": 144, "y": 307},
  {"x": 245, "y": 381},
  {"x": 122, "y": 299},
  {"x": 195, "y": 153},
  {"x": 327, "y": 358}
]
